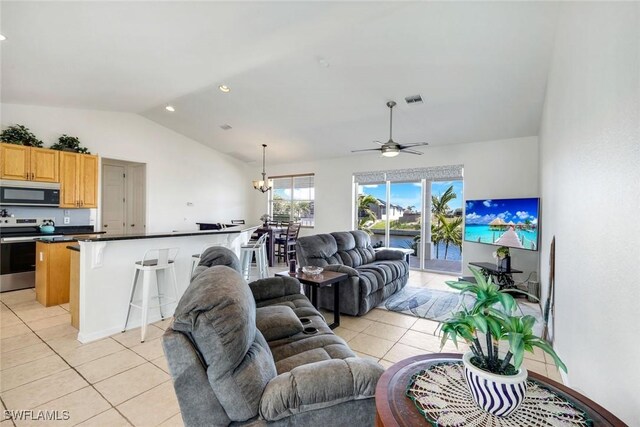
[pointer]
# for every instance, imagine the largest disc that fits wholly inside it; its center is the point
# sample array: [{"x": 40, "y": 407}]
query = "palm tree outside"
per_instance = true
[
  {"x": 365, "y": 214},
  {"x": 445, "y": 228}
]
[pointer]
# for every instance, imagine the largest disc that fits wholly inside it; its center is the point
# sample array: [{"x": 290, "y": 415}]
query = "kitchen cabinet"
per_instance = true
[
  {"x": 52, "y": 273},
  {"x": 78, "y": 180},
  {"x": 29, "y": 163}
]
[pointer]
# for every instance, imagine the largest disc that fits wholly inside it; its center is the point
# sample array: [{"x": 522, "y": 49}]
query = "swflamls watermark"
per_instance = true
[{"x": 33, "y": 415}]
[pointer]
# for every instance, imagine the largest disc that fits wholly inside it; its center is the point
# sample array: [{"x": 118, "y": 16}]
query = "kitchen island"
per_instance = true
[{"x": 106, "y": 267}]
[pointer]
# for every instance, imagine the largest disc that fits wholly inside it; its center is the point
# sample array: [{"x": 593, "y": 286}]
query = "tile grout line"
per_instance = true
[{"x": 75, "y": 370}]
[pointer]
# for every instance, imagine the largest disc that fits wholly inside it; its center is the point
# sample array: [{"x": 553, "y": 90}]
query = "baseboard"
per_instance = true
[{"x": 85, "y": 338}]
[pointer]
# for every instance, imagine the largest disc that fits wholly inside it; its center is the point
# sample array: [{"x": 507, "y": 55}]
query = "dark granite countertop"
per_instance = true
[
  {"x": 74, "y": 248},
  {"x": 110, "y": 237},
  {"x": 67, "y": 230}
]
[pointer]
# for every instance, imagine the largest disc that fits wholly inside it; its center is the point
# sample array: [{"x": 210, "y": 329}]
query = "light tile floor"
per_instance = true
[{"x": 118, "y": 381}]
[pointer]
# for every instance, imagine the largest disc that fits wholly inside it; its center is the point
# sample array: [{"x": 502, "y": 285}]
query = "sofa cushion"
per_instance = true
[
  {"x": 277, "y": 321},
  {"x": 354, "y": 248},
  {"x": 217, "y": 311}
]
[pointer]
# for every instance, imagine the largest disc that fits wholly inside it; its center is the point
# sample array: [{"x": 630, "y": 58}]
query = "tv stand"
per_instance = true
[{"x": 501, "y": 276}]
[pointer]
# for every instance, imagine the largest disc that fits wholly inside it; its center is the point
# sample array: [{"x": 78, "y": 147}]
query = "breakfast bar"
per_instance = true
[{"x": 106, "y": 269}]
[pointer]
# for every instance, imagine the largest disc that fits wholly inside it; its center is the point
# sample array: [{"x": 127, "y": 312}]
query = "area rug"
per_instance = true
[{"x": 438, "y": 305}]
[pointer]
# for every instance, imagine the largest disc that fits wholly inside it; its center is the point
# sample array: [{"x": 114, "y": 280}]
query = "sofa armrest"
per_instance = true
[
  {"x": 389, "y": 255},
  {"x": 319, "y": 385},
  {"x": 339, "y": 268},
  {"x": 274, "y": 287}
]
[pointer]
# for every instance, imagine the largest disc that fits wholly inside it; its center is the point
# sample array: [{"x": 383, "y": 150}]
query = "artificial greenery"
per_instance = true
[
  {"x": 19, "y": 135},
  {"x": 69, "y": 143},
  {"x": 497, "y": 324}
]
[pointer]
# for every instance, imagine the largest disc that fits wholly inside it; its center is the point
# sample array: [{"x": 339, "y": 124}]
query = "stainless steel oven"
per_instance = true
[
  {"x": 29, "y": 193},
  {"x": 18, "y": 252}
]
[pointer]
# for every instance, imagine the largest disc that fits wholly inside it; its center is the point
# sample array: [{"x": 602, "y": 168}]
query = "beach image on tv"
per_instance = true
[{"x": 503, "y": 222}]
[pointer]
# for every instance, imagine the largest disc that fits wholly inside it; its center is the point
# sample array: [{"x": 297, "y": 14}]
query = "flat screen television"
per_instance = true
[{"x": 503, "y": 222}]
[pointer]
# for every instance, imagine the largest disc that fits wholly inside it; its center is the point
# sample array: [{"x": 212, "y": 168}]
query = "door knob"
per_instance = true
[
  {"x": 105, "y": 226},
  {"x": 133, "y": 225}
]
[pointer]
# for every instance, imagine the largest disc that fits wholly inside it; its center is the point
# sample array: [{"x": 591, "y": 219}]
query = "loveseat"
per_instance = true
[
  {"x": 373, "y": 276},
  {"x": 239, "y": 354}
]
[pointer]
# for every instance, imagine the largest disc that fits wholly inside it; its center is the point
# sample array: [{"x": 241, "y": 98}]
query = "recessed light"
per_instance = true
[
  {"x": 224, "y": 88},
  {"x": 170, "y": 108},
  {"x": 2, "y": 37}
]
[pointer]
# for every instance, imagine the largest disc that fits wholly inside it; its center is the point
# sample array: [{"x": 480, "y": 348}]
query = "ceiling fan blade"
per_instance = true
[
  {"x": 411, "y": 152},
  {"x": 368, "y": 149},
  {"x": 379, "y": 142},
  {"x": 414, "y": 144}
]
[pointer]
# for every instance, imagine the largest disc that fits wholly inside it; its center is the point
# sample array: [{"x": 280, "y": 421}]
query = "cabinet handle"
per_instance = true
[
  {"x": 33, "y": 176},
  {"x": 81, "y": 202}
]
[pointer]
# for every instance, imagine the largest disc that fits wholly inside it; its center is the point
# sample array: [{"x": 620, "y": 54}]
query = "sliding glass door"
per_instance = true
[{"x": 423, "y": 217}]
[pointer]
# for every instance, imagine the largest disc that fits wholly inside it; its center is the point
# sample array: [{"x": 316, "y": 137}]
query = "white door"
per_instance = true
[
  {"x": 113, "y": 199},
  {"x": 135, "y": 205}
]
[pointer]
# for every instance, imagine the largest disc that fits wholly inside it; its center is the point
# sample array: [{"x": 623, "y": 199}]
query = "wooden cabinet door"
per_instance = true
[
  {"x": 44, "y": 165},
  {"x": 15, "y": 160},
  {"x": 69, "y": 171},
  {"x": 88, "y": 181}
]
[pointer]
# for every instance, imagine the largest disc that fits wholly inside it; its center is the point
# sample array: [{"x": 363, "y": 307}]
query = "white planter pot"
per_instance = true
[{"x": 499, "y": 395}]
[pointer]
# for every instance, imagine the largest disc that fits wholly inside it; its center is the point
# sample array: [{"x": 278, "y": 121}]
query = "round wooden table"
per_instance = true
[{"x": 393, "y": 408}]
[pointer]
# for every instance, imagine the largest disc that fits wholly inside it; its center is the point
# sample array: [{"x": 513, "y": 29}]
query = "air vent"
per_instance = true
[
  {"x": 225, "y": 126},
  {"x": 415, "y": 99}
]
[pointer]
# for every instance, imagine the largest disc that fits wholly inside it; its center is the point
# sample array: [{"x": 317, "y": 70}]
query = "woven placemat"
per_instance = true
[{"x": 441, "y": 394}]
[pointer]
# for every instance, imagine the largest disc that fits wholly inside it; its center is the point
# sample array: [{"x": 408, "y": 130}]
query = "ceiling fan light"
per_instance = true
[{"x": 390, "y": 152}]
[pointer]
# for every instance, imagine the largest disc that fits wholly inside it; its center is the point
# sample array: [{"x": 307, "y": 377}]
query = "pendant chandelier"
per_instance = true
[{"x": 263, "y": 185}]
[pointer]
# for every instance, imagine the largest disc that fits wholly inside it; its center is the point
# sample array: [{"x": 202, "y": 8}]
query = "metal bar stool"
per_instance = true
[
  {"x": 259, "y": 249},
  {"x": 158, "y": 261}
]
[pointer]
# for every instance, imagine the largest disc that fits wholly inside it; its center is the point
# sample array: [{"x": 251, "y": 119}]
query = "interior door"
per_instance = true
[
  {"x": 135, "y": 201},
  {"x": 113, "y": 199}
]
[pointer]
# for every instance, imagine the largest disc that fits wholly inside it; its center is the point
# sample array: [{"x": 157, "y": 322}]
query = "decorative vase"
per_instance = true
[{"x": 499, "y": 395}]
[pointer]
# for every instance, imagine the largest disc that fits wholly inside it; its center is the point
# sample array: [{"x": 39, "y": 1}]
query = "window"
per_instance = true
[{"x": 292, "y": 199}]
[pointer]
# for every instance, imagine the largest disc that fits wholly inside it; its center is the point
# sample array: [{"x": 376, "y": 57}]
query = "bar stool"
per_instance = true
[
  {"x": 195, "y": 258},
  {"x": 158, "y": 261},
  {"x": 259, "y": 249}
]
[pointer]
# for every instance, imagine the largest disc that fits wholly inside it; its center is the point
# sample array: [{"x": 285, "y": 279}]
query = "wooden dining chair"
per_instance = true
[{"x": 286, "y": 242}]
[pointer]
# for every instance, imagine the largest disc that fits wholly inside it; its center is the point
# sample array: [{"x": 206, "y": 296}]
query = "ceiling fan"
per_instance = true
[{"x": 392, "y": 148}]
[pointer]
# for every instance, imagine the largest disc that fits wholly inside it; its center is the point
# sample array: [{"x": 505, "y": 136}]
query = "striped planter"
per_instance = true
[{"x": 499, "y": 395}]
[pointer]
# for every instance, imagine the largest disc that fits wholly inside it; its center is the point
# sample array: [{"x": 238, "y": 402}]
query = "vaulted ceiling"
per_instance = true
[{"x": 310, "y": 79}]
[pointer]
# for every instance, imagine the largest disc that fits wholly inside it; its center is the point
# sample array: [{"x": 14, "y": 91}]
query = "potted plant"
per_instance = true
[
  {"x": 503, "y": 258},
  {"x": 69, "y": 143},
  {"x": 19, "y": 135},
  {"x": 497, "y": 383},
  {"x": 265, "y": 218}
]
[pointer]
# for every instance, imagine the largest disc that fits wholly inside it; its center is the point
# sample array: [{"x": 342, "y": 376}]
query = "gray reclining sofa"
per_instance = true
[
  {"x": 241, "y": 354},
  {"x": 373, "y": 276}
]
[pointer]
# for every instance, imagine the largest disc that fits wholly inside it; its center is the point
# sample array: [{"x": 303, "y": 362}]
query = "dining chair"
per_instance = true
[{"x": 286, "y": 242}]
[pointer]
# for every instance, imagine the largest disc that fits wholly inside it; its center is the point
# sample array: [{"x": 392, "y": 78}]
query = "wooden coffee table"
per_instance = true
[
  {"x": 326, "y": 278},
  {"x": 394, "y": 409}
]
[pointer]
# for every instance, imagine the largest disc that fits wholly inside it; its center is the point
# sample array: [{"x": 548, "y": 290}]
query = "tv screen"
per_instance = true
[{"x": 503, "y": 222}]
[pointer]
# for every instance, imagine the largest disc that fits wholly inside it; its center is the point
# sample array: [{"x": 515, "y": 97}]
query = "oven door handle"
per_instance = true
[{"x": 25, "y": 239}]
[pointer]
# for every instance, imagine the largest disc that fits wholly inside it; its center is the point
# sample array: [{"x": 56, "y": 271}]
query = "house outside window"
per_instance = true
[{"x": 292, "y": 199}]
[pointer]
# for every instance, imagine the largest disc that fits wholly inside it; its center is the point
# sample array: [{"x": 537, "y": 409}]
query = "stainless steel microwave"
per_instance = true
[{"x": 29, "y": 193}]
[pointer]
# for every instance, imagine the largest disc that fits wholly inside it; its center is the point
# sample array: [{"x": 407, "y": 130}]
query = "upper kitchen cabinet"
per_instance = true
[
  {"x": 29, "y": 163},
  {"x": 78, "y": 180}
]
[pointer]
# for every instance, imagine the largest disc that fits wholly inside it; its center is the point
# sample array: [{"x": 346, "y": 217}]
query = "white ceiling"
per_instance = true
[{"x": 480, "y": 67}]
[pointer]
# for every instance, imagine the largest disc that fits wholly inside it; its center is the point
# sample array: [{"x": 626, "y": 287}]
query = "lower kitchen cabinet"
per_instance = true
[{"x": 52, "y": 273}]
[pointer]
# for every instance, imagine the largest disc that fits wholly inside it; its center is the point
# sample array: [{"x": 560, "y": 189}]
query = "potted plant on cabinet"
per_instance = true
[
  {"x": 69, "y": 143},
  {"x": 497, "y": 383},
  {"x": 19, "y": 135}
]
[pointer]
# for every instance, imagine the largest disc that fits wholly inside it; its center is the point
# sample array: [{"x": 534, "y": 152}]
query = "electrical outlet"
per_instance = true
[
  {"x": 67, "y": 212},
  {"x": 67, "y": 220}
]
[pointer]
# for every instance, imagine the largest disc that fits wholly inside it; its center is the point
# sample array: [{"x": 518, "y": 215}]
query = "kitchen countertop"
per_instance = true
[
  {"x": 74, "y": 248},
  {"x": 62, "y": 230},
  {"x": 110, "y": 237}
]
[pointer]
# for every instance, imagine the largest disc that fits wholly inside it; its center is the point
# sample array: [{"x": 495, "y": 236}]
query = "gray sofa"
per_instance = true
[
  {"x": 373, "y": 276},
  {"x": 239, "y": 355}
]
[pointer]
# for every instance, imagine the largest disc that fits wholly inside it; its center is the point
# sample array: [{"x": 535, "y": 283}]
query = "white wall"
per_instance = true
[
  {"x": 179, "y": 170},
  {"x": 494, "y": 169},
  {"x": 590, "y": 185}
]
